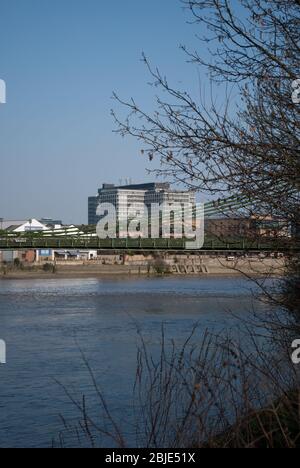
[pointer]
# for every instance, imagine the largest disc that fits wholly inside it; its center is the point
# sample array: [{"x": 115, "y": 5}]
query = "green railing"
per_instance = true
[{"x": 36, "y": 242}]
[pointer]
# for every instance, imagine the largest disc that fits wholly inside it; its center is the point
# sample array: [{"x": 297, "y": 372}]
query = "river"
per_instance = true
[{"x": 45, "y": 323}]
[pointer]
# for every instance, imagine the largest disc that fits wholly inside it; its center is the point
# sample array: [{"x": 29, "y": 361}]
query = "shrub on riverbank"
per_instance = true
[
  {"x": 209, "y": 393},
  {"x": 49, "y": 268},
  {"x": 160, "y": 266},
  {"x": 276, "y": 426},
  {"x": 18, "y": 265}
]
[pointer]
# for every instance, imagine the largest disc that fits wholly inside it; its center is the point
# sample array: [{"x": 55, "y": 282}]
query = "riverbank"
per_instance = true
[
  {"x": 209, "y": 267},
  {"x": 276, "y": 426}
]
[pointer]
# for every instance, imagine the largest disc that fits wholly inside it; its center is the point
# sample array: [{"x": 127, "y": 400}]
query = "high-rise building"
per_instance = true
[{"x": 136, "y": 197}]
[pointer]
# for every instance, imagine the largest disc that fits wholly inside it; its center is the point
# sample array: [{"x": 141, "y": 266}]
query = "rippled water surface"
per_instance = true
[{"x": 46, "y": 322}]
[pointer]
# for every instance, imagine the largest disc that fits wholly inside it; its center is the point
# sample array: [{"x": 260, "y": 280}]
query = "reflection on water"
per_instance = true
[{"x": 44, "y": 323}]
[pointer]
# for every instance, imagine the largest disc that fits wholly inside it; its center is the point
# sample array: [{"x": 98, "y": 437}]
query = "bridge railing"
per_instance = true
[{"x": 211, "y": 243}]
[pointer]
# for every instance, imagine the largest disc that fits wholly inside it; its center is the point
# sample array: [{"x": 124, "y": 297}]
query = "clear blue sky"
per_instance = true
[{"x": 61, "y": 60}]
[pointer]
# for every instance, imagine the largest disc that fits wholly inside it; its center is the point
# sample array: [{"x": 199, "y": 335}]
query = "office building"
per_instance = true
[{"x": 136, "y": 197}]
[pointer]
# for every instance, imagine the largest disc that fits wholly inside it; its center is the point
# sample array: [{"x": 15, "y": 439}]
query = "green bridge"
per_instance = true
[
  {"x": 34, "y": 241},
  {"x": 88, "y": 239}
]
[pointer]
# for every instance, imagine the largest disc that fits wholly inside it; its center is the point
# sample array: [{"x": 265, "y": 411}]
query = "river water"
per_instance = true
[{"x": 45, "y": 323}]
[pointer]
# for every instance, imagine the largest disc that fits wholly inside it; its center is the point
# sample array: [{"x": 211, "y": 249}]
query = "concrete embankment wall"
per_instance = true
[{"x": 153, "y": 264}]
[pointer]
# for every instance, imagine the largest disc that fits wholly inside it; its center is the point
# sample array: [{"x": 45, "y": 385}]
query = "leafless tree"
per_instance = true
[{"x": 248, "y": 148}]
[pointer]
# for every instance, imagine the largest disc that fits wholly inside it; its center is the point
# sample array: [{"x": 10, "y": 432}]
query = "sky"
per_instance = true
[{"x": 61, "y": 61}]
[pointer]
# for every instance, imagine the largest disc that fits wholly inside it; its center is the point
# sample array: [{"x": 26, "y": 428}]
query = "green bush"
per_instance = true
[
  {"x": 49, "y": 268},
  {"x": 160, "y": 266},
  {"x": 18, "y": 264}
]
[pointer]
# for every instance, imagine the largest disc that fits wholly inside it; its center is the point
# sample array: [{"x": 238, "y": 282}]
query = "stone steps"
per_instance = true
[{"x": 190, "y": 269}]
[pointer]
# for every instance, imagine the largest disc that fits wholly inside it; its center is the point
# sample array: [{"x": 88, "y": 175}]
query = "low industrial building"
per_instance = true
[
  {"x": 85, "y": 255},
  {"x": 47, "y": 227},
  {"x": 24, "y": 256},
  {"x": 252, "y": 227},
  {"x": 46, "y": 255},
  {"x": 29, "y": 225},
  {"x": 32, "y": 225}
]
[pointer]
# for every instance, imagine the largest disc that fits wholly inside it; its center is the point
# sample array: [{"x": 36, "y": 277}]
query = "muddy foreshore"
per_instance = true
[{"x": 210, "y": 267}]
